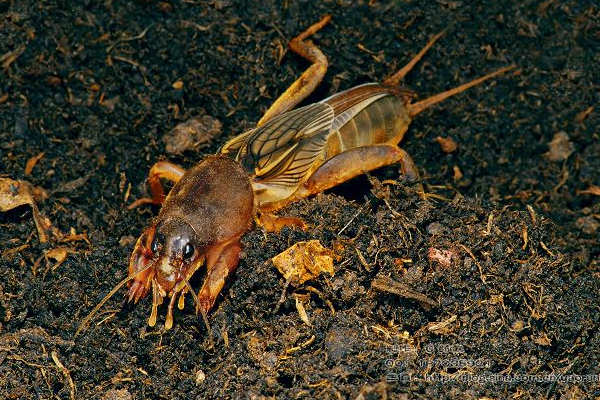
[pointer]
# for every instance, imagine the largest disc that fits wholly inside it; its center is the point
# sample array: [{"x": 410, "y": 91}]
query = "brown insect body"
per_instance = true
[
  {"x": 379, "y": 120},
  {"x": 282, "y": 154},
  {"x": 267, "y": 167},
  {"x": 288, "y": 156},
  {"x": 191, "y": 229}
]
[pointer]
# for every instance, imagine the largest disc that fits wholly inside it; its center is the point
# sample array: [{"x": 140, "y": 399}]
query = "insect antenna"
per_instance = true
[
  {"x": 86, "y": 320},
  {"x": 204, "y": 316}
]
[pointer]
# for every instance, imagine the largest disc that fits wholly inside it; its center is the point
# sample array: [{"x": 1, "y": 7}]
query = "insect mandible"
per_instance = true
[{"x": 289, "y": 155}]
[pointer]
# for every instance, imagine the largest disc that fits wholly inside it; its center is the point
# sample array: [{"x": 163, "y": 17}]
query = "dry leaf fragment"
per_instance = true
[
  {"x": 448, "y": 145},
  {"x": 542, "y": 339},
  {"x": 177, "y": 85},
  {"x": 560, "y": 147},
  {"x": 17, "y": 193},
  {"x": 58, "y": 254},
  {"x": 192, "y": 133},
  {"x": 595, "y": 190},
  {"x": 304, "y": 261},
  {"x": 518, "y": 326},
  {"x": 10, "y": 57}
]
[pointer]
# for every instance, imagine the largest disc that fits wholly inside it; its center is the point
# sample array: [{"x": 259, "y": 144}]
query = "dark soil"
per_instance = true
[{"x": 508, "y": 250}]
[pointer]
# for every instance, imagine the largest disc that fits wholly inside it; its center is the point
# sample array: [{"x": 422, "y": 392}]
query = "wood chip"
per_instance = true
[
  {"x": 579, "y": 118},
  {"x": 32, "y": 162},
  {"x": 387, "y": 284},
  {"x": 443, "y": 327},
  {"x": 68, "y": 187},
  {"x": 458, "y": 175}
]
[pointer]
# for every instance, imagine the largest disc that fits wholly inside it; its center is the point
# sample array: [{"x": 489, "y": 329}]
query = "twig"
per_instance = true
[
  {"x": 387, "y": 284},
  {"x": 282, "y": 297},
  {"x": 66, "y": 372},
  {"x": 481, "y": 275},
  {"x": 129, "y": 39},
  {"x": 139, "y": 67},
  {"x": 353, "y": 218}
]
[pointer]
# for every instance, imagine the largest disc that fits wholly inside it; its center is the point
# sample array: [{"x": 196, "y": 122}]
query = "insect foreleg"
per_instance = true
[{"x": 164, "y": 170}]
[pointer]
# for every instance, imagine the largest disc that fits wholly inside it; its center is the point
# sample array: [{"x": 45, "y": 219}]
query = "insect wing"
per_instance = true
[
  {"x": 282, "y": 150},
  {"x": 290, "y": 146}
]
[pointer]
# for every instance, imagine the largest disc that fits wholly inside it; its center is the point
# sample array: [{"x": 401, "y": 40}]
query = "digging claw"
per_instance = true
[{"x": 136, "y": 292}]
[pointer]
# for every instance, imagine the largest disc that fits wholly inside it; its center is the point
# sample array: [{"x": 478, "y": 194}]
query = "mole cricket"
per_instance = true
[{"x": 289, "y": 155}]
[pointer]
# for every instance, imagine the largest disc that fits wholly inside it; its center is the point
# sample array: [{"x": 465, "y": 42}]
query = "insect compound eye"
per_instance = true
[
  {"x": 154, "y": 245},
  {"x": 188, "y": 250}
]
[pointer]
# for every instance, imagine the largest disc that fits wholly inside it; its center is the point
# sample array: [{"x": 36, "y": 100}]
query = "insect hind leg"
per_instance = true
[
  {"x": 309, "y": 80},
  {"x": 358, "y": 161},
  {"x": 350, "y": 164},
  {"x": 395, "y": 79}
]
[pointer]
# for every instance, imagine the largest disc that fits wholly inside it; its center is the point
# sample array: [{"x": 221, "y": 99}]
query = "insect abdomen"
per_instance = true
[{"x": 384, "y": 121}]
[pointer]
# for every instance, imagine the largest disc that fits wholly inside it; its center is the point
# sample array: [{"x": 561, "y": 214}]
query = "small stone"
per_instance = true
[
  {"x": 435, "y": 228},
  {"x": 177, "y": 85},
  {"x": 588, "y": 225},
  {"x": 517, "y": 326},
  {"x": 200, "y": 377},
  {"x": 443, "y": 257}
]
